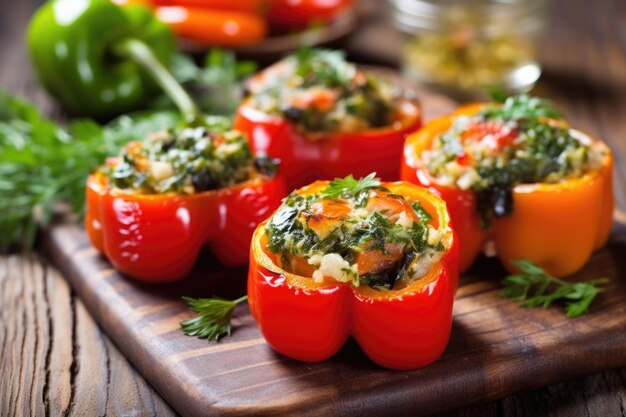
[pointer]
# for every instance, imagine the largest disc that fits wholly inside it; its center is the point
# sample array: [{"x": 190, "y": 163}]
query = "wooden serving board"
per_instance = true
[{"x": 496, "y": 349}]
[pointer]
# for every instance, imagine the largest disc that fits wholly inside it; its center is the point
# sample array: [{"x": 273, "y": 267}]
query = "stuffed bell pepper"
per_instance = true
[
  {"x": 151, "y": 209},
  {"x": 323, "y": 118},
  {"x": 363, "y": 258},
  {"x": 516, "y": 174}
]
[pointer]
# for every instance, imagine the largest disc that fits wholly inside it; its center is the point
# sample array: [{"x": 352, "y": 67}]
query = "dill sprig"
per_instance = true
[
  {"x": 536, "y": 288},
  {"x": 214, "y": 317}
]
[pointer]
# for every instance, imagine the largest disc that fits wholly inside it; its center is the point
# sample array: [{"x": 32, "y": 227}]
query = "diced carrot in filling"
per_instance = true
[
  {"x": 322, "y": 99},
  {"x": 374, "y": 261},
  {"x": 324, "y": 217},
  {"x": 354, "y": 231},
  {"x": 389, "y": 205}
]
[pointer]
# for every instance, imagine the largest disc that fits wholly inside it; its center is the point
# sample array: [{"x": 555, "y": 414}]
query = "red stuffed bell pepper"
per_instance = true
[
  {"x": 517, "y": 175},
  {"x": 376, "y": 261},
  {"x": 324, "y": 118},
  {"x": 152, "y": 209}
]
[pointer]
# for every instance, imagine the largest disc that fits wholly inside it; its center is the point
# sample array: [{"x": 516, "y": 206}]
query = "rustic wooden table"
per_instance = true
[{"x": 54, "y": 360}]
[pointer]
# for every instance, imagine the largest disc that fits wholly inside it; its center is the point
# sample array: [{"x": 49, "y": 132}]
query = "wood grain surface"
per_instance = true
[
  {"x": 497, "y": 348},
  {"x": 54, "y": 360},
  {"x": 50, "y": 347}
]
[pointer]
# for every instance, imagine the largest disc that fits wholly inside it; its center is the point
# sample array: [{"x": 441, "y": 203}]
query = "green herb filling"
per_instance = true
[
  {"x": 523, "y": 141},
  {"x": 354, "y": 231},
  {"x": 320, "y": 91},
  {"x": 186, "y": 161}
]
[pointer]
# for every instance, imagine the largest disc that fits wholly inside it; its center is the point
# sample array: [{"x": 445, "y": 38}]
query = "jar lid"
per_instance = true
[{"x": 411, "y": 16}]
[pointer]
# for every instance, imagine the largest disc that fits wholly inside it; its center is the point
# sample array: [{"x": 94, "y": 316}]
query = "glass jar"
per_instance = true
[{"x": 469, "y": 46}]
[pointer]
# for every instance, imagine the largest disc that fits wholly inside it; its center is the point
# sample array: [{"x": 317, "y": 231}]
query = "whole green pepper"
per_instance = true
[{"x": 77, "y": 50}]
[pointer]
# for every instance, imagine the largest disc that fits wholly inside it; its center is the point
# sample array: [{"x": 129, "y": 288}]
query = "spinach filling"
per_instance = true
[
  {"x": 323, "y": 92},
  {"x": 288, "y": 236},
  {"x": 187, "y": 161},
  {"x": 542, "y": 149}
]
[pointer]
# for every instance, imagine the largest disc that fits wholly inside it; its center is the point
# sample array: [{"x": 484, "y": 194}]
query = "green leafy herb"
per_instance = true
[
  {"x": 536, "y": 288},
  {"x": 323, "y": 67},
  {"x": 522, "y": 107},
  {"x": 421, "y": 212},
  {"x": 43, "y": 165},
  {"x": 349, "y": 187},
  {"x": 214, "y": 316},
  {"x": 216, "y": 86},
  {"x": 498, "y": 95}
]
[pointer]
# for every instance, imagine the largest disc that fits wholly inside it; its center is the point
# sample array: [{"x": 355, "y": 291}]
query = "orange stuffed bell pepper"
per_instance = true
[
  {"x": 375, "y": 261},
  {"x": 324, "y": 118},
  {"x": 518, "y": 175},
  {"x": 151, "y": 209}
]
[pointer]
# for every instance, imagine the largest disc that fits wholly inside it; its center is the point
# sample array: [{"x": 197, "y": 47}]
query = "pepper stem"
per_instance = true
[{"x": 141, "y": 54}]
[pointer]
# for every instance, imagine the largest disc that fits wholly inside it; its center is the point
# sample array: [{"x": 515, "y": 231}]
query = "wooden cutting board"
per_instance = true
[{"x": 496, "y": 349}]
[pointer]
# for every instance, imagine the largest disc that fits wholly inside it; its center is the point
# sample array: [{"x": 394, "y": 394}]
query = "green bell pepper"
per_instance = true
[{"x": 95, "y": 57}]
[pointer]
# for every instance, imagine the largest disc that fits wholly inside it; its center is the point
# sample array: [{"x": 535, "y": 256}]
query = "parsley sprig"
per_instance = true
[
  {"x": 214, "y": 317},
  {"x": 522, "y": 107},
  {"x": 216, "y": 86},
  {"x": 349, "y": 187},
  {"x": 536, "y": 288},
  {"x": 43, "y": 165},
  {"x": 323, "y": 67}
]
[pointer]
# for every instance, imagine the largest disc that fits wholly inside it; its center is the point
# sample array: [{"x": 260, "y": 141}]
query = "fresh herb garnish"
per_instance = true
[
  {"x": 43, "y": 164},
  {"x": 522, "y": 107},
  {"x": 217, "y": 86},
  {"x": 323, "y": 67},
  {"x": 349, "y": 187},
  {"x": 536, "y": 288},
  {"x": 214, "y": 317}
]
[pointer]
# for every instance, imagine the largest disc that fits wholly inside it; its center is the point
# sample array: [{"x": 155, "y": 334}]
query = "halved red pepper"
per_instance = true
[
  {"x": 400, "y": 329},
  {"x": 557, "y": 226},
  {"x": 158, "y": 237},
  {"x": 306, "y": 157}
]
